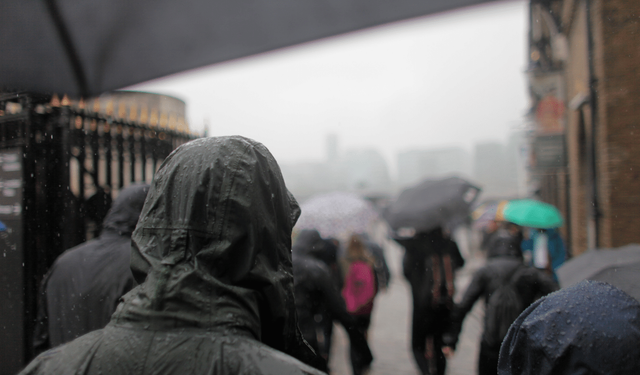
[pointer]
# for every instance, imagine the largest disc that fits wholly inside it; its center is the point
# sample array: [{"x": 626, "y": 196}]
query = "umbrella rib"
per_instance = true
[{"x": 70, "y": 49}]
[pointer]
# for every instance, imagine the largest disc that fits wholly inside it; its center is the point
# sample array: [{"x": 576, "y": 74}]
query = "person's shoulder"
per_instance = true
[
  {"x": 76, "y": 253},
  {"x": 68, "y": 261},
  {"x": 312, "y": 268},
  {"x": 264, "y": 360},
  {"x": 66, "y": 358}
]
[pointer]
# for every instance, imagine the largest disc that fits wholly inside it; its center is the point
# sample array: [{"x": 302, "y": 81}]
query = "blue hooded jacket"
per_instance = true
[{"x": 589, "y": 328}]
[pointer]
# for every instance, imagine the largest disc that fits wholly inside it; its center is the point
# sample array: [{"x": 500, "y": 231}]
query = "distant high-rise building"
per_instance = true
[
  {"x": 367, "y": 171},
  {"x": 416, "y": 165},
  {"x": 332, "y": 147},
  {"x": 494, "y": 169}
]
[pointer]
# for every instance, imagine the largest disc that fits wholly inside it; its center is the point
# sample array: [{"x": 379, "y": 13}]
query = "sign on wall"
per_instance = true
[{"x": 549, "y": 152}]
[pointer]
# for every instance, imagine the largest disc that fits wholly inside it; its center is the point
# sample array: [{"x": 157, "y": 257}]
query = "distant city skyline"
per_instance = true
[{"x": 496, "y": 167}]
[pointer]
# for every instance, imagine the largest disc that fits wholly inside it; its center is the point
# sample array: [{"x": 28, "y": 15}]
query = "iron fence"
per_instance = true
[{"x": 61, "y": 165}]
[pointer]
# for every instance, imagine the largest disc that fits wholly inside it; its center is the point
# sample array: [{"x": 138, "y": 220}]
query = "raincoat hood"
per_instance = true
[
  {"x": 309, "y": 243},
  {"x": 213, "y": 245},
  {"x": 125, "y": 211},
  {"x": 589, "y": 328}
]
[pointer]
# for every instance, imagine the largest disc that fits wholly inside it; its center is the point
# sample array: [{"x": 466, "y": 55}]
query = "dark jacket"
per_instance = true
[
  {"x": 504, "y": 243},
  {"x": 314, "y": 287},
  {"x": 84, "y": 285},
  {"x": 531, "y": 284},
  {"x": 382, "y": 268},
  {"x": 590, "y": 328},
  {"x": 213, "y": 252},
  {"x": 315, "y": 291},
  {"x": 418, "y": 258}
]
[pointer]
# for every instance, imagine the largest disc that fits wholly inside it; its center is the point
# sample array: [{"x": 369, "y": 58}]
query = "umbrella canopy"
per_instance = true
[
  {"x": 84, "y": 48},
  {"x": 533, "y": 214},
  {"x": 619, "y": 267},
  {"x": 338, "y": 215},
  {"x": 431, "y": 203},
  {"x": 486, "y": 213}
]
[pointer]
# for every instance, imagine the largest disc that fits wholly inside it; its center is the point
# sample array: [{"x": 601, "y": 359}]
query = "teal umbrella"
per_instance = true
[{"x": 531, "y": 213}]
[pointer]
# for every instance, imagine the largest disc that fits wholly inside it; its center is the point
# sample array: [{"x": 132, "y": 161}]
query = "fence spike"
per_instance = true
[
  {"x": 144, "y": 115},
  {"x": 122, "y": 110},
  {"x": 153, "y": 121},
  {"x": 133, "y": 112},
  {"x": 163, "y": 120},
  {"x": 109, "y": 110},
  {"x": 55, "y": 101},
  {"x": 173, "y": 121}
]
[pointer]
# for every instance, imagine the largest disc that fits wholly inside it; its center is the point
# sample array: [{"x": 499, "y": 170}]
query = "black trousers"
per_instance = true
[
  {"x": 428, "y": 326},
  {"x": 488, "y": 359},
  {"x": 362, "y": 325}
]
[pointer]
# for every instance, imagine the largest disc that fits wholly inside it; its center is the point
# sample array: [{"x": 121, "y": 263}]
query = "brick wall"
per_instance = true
[
  {"x": 616, "y": 35},
  {"x": 578, "y": 129},
  {"x": 618, "y": 67}
]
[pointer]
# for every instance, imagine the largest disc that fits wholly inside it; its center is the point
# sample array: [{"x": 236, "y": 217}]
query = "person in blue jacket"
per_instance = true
[
  {"x": 547, "y": 250},
  {"x": 589, "y": 328}
]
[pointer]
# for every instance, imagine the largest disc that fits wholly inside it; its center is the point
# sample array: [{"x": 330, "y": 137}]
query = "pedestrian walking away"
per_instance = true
[
  {"x": 360, "y": 287},
  {"x": 212, "y": 251},
  {"x": 547, "y": 250},
  {"x": 83, "y": 287},
  {"x": 508, "y": 287},
  {"x": 324, "y": 319},
  {"x": 315, "y": 292},
  {"x": 429, "y": 264}
]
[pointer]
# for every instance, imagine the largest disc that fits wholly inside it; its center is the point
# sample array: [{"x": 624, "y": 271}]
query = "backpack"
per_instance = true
[
  {"x": 359, "y": 286},
  {"x": 502, "y": 309}
]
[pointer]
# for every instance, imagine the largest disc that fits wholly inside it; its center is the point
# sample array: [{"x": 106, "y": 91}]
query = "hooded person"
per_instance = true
[
  {"x": 316, "y": 292},
  {"x": 83, "y": 287},
  {"x": 589, "y": 328},
  {"x": 499, "y": 273},
  {"x": 212, "y": 251}
]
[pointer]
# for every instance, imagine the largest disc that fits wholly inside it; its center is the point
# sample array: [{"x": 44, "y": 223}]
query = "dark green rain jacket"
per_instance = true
[{"x": 213, "y": 247}]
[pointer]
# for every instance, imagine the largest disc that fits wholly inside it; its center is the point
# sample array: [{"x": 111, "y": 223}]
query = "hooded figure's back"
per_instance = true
[
  {"x": 213, "y": 248},
  {"x": 590, "y": 328},
  {"x": 84, "y": 285}
]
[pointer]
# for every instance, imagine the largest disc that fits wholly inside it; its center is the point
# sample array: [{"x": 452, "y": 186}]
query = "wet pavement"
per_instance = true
[{"x": 389, "y": 334}]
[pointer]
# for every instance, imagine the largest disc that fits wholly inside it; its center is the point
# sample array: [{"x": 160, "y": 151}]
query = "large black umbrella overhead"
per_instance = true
[
  {"x": 84, "y": 48},
  {"x": 430, "y": 204},
  {"x": 619, "y": 267}
]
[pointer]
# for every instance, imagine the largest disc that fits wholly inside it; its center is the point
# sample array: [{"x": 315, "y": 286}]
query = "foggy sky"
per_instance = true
[{"x": 445, "y": 80}]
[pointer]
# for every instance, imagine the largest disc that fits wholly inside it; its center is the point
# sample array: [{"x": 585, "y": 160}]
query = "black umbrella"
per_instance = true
[
  {"x": 84, "y": 48},
  {"x": 619, "y": 267},
  {"x": 431, "y": 203}
]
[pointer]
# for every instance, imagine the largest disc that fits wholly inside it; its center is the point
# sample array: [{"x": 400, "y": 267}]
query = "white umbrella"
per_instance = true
[{"x": 338, "y": 214}]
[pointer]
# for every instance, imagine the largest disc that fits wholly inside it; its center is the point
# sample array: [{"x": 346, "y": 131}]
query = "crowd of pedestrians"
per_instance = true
[{"x": 201, "y": 273}]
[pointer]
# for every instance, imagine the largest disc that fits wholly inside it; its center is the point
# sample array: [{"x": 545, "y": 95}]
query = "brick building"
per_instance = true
[{"x": 584, "y": 77}]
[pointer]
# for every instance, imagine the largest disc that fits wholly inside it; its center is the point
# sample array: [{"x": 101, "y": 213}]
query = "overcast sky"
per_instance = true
[{"x": 446, "y": 80}]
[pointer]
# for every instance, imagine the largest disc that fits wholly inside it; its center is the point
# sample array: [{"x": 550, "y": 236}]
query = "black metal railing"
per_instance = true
[{"x": 61, "y": 165}]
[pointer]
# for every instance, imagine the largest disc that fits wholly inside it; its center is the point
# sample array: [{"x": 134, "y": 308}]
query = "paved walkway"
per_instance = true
[{"x": 389, "y": 334}]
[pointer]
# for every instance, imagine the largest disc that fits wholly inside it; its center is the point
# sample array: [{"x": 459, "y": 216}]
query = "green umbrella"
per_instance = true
[{"x": 531, "y": 213}]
